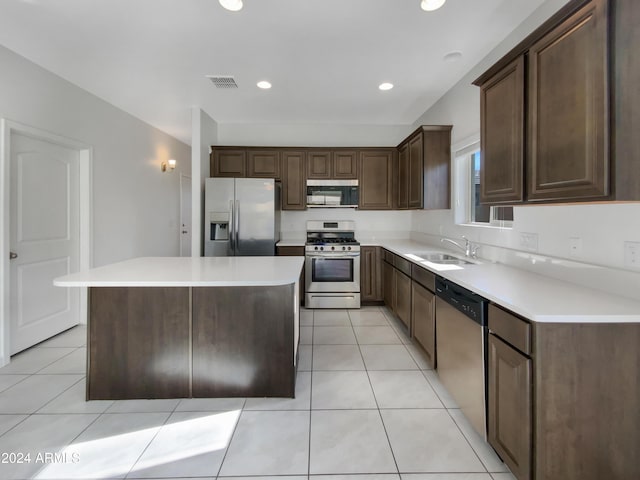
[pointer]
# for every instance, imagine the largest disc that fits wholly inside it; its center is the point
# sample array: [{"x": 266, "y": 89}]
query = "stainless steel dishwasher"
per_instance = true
[{"x": 461, "y": 338}]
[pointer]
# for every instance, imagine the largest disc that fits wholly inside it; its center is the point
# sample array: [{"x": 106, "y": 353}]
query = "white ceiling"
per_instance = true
[{"x": 325, "y": 58}]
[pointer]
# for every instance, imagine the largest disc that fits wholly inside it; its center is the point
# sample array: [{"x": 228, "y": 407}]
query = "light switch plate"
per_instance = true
[{"x": 632, "y": 255}]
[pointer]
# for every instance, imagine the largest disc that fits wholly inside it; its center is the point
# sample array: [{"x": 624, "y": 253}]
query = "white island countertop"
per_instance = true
[
  {"x": 189, "y": 272},
  {"x": 536, "y": 297}
]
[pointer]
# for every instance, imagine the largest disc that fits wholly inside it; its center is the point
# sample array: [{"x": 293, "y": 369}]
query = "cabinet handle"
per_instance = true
[{"x": 13, "y": 255}]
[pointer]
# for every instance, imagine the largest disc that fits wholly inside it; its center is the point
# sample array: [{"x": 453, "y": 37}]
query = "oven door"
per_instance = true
[{"x": 332, "y": 272}]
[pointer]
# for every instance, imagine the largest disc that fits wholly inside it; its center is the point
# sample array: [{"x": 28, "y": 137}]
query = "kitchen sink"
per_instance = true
[{"x": 442, "y": 258}]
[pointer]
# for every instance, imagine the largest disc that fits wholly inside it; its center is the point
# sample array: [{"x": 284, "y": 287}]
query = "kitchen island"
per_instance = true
[{"x": 174, "y": 327}]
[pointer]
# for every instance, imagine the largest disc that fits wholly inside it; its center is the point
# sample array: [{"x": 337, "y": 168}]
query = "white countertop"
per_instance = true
[
  {"x": 189, "y": 272},
  {"x": 535, "y": 297}
]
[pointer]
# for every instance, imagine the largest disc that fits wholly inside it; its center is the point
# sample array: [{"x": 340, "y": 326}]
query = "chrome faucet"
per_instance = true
[{"x": 469, "y": 249}]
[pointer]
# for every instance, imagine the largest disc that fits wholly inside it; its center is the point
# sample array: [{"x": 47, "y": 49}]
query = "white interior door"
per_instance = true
[
  {"x": 44, "y": 236},
  {"x": 185, "y": 216}
]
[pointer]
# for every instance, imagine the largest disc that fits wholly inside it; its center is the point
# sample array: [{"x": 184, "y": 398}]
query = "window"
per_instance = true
[
  {"x": 484, "y": 213},
  {"x": 470, "y": 210}
]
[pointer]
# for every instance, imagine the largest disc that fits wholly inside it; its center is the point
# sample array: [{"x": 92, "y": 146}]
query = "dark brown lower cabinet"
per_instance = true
[
  {"x": 243, "y": 342},
  {"x": 138, "y": 343},
  {"x": 423, "y": 325},
  {"x": 510, "y": 409},
  {"x": 370, "y": 274},
  {"x": 563, "y": 398},
  {"x": 402, "y": 284},
  {"x": 388, "y": 285}
]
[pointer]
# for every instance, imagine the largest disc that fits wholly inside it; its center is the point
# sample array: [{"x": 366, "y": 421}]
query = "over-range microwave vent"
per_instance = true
[{"x": 223, "y": 81}]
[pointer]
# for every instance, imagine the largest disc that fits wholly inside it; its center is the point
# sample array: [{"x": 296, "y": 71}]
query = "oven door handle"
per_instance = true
[{"x": 342, "y": 255}]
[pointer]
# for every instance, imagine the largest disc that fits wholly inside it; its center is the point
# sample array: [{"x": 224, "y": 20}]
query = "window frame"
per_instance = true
[{"x": 465, "y": 189}]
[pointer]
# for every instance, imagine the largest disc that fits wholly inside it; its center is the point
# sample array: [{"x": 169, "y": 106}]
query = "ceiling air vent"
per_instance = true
[{"x": 223, "y": 81}]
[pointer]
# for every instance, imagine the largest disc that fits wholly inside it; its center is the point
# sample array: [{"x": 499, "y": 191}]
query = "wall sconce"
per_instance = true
[{"x": 171, "y": 166}]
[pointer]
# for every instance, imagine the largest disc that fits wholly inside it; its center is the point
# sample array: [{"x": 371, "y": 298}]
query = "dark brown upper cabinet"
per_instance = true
[
  {"x": 319, "y": 164},
  {"x": 294, "y": 195},
  {"x": 416, "y": 171},
  {"x": 345, "y": 164},
  {"x": 326, "y": 164},
  {"x": 423, "y": 171},
  {"x": 626, "y": 98},
  {"x": 403, "y": 176},
  {"x": 376, "y": 179},
  {"x": 228, "y": 163},
  {"x": 263, "y": 164},
  {"x": 568, "y": 151},
  {"x": 579, "y": 110},
  {"x": 502, "y": 135}
]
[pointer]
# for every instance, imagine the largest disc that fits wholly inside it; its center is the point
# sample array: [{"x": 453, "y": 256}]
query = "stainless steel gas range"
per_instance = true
[{"x": 332, "y": 261}]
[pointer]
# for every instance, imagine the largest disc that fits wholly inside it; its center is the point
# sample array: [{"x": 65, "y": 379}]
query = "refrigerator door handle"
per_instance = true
[
  {"x": 231, "y": 226},
  {"x": 237, "y": 227}
]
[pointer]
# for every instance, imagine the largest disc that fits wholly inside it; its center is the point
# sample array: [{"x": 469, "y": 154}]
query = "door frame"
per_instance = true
[
  {"x": 182, "y": 176},
  {"x": 85, "y": 191}
]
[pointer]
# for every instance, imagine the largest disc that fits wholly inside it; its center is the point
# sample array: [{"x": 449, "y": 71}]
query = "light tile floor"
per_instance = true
[{"x": 367, "y": 407}]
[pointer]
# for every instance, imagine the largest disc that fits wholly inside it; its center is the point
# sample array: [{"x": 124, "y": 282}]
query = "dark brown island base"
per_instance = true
[{"x": 192, "y": 327}]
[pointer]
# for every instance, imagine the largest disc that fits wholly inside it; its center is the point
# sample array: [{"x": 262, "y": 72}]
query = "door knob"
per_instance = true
[{"x": 12, "y": 255}]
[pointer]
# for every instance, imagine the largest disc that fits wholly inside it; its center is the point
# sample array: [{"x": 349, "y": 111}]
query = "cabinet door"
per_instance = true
[
  {"x": 376, "y": 176},
  {"x": 437, "y": 166},
  {"x": 294, "y": 195},
  {"x": 229, "y": 163},
  {"x": 568, "y": 104},
  {"x": 423, "y": 323},
  {"x": 416, "y": 172},
  {"x": 509, "y": 414},
  {"x": 388, "y": 283},
  {"x": 403, "y": 297},
  {"x": 263, "y": 164},
  {"x": 345, "y": 164},
  {"x": 370, "y": 274},
  {"x": 502, "y": 136},
  {"x": 319, "y": 164},
  {"x": 403, "y": 176},
  {"x": 627, "y": 98}
]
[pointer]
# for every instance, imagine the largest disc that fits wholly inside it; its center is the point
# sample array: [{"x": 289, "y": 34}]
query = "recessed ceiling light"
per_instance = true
[
  {"x": 452, "y": 56},
  {"x": 233, "y": 5},
  {"x": 385, "y": 86},
  {"x": 430, "y": 5},
  {"x": 264, "y": 85}
]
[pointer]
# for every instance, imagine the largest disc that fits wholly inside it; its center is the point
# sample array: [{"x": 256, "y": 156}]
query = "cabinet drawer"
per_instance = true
[
  {"x": 387, "y": 256},
  {"x": 424, "y": 277},
  {"x": 510, "y": 328},
  {"x": 403, "y": 265}
]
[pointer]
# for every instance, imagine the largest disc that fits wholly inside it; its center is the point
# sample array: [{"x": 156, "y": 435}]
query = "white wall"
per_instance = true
[
  {"x": 135, "y": 205},
  {"x": 370, "y": 225},
  {"x": 204, "y": 133},
  {"x": 312, "y": 135},
  {"x": 603, "y": 228}
]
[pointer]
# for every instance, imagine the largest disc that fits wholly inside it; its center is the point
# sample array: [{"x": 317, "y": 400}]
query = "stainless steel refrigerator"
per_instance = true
[{"x": 242, "y": 217}]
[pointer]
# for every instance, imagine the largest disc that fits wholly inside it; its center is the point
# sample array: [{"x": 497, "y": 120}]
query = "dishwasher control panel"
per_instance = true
[{"x": 471, "y": 304}]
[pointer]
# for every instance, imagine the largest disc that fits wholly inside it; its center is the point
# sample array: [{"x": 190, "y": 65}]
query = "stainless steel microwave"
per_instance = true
[{"x": 332, "y": 193}]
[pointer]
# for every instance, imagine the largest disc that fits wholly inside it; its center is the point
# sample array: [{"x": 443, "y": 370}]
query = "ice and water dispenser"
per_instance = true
[{"x": 219, "y": 225}]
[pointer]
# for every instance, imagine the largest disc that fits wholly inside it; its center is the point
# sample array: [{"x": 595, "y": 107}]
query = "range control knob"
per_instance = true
[
  {"x": 333, "y": 248},
  {"x": 348, "y": 248},
  {"x": 315, "y": 248},
  {"x": 321, "y": 248}
]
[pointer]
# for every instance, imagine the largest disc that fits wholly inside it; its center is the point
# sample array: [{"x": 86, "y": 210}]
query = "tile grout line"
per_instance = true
[
  {"x": 152, "y": 438},
  {"x": 375, "y": 399},
  {"x": 313, "y": 327}
]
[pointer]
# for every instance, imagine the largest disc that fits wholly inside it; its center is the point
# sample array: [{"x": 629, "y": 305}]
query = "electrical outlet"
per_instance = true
[
  {"x": 632, "y": 254},
  {"x": 529, "y": 241},
  {"x": 575, "y": 246}
]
